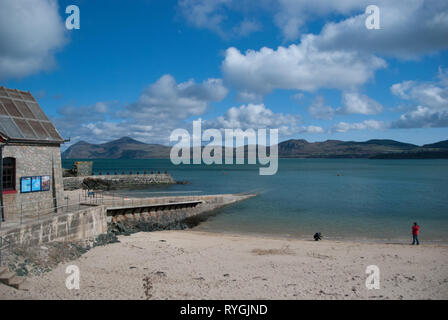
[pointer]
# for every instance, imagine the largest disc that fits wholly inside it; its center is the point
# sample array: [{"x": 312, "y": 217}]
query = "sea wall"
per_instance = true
[
  {"x": 91, "y": 221},
  {"x": 175, "y": 209},
  {"x": 111, "y": 182},
  {"x": 86, "y": 223}
]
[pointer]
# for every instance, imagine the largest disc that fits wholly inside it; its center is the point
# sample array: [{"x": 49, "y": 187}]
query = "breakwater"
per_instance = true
[
  {"x": 94, "y": 220},
  {"x": 162, "y": 213}
]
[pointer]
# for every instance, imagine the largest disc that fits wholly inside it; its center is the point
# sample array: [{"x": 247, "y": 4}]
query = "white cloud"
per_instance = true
[
  {"x": 288, "y": 15},
  {"x": 30, "y": 33},
  {"x": 405, "y": 25},
  {"x": 292, "y": 15},
  {"x": 300, "y": 67},
  {"x": 86, "y": 124},
  {"x": 204, "y": 13},
  {"x": 258, "y": 116},
  {"x": 319, "y": 110},
  {"x": 311, "y": 129},
  {"x": 352, "y": 103},
  {"x": 70, "y": 119},
  {"x": 161, "y": 107},
  {"x": 85, "y": 112},
  {"x": 355, "y": 103},
  {"x": 423, "y": 117},
  {"x": 443, "y": 77},
  {"x": 408, "y": 29},
  {"x": 255, "y": 116},
  {"x": 169, "y": 101},
  {"x": 434, "y": 95},
  {"x": 344, "y": 55},
  {"x": 213, "y": 15},
  {"x": 430, "y": 100},
  {"x": 399, "y": 89},
  {"x": 365, "y": 125},
  {"x": 106, "y": 131}
]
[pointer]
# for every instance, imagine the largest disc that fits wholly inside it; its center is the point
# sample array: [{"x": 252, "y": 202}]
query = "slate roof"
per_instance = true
[{"x": 22, "y": 119}]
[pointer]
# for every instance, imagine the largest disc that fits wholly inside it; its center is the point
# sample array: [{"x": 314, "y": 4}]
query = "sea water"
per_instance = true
[{"x": 343, "y": 199}]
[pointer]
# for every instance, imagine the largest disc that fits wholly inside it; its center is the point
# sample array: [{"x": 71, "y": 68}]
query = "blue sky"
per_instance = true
[{"x": 143, "y": 68}]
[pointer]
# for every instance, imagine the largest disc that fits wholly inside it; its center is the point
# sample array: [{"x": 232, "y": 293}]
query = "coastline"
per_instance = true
[
  {"x": 347, "y": 240},
  {"x": 344, "y": 199},
  {"x": 73, "y": 195},
  {"x": 191, "y": 264}
]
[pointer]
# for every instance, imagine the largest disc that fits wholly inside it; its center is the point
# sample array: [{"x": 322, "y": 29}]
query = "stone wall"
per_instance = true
[
  {"x": 91, "y": 221},
  {"x": 86, "y": 223},
  {"x": 34, "y": 161},
  {"x": 110, "y": 182},
  {"x": 166, "y": 217}
]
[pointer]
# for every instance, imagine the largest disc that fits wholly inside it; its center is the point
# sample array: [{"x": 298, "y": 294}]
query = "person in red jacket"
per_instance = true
[{"x": 415, "y": 231}]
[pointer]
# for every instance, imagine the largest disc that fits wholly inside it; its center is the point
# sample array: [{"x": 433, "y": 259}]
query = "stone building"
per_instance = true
[{"x": 30, "y": 150}]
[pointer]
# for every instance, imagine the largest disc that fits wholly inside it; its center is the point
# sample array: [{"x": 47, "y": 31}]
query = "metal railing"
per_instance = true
[
  {"x": 30, "y": 211},
  {"x": 112, "y": 200},
  {"x": 35, "y": 211}
]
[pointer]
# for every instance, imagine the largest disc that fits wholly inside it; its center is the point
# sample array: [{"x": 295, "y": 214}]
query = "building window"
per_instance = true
[{"x": 9, "y": 174}]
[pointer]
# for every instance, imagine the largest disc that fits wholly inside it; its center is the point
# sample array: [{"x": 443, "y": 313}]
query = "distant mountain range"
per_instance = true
[
  {"x": 369, "y": 149},
  {"x": 123, "y": 148},
  {"x": 128, "y": 148}
]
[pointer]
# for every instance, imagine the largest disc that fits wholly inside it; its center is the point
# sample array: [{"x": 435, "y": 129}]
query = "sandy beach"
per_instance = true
[{"x": 200, "y": 265}]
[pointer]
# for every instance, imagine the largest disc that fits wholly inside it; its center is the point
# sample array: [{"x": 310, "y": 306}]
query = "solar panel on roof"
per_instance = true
[
  {"x": 39, "y": 129},
  {"x": 27, "y": 96},
  {"x": 10, "y": 107},
  {"x": 51, "y": 130},
  {"x": 8, "y": 127},
  {"x": 37, "y": 111},
  {"x": 25, "y": 128},
  {"x": 23, "y": 108},
  {"x": 14, "y": 94},
  {"x": 22, "y": 118},
  {"x": 3, "y": 110}
]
